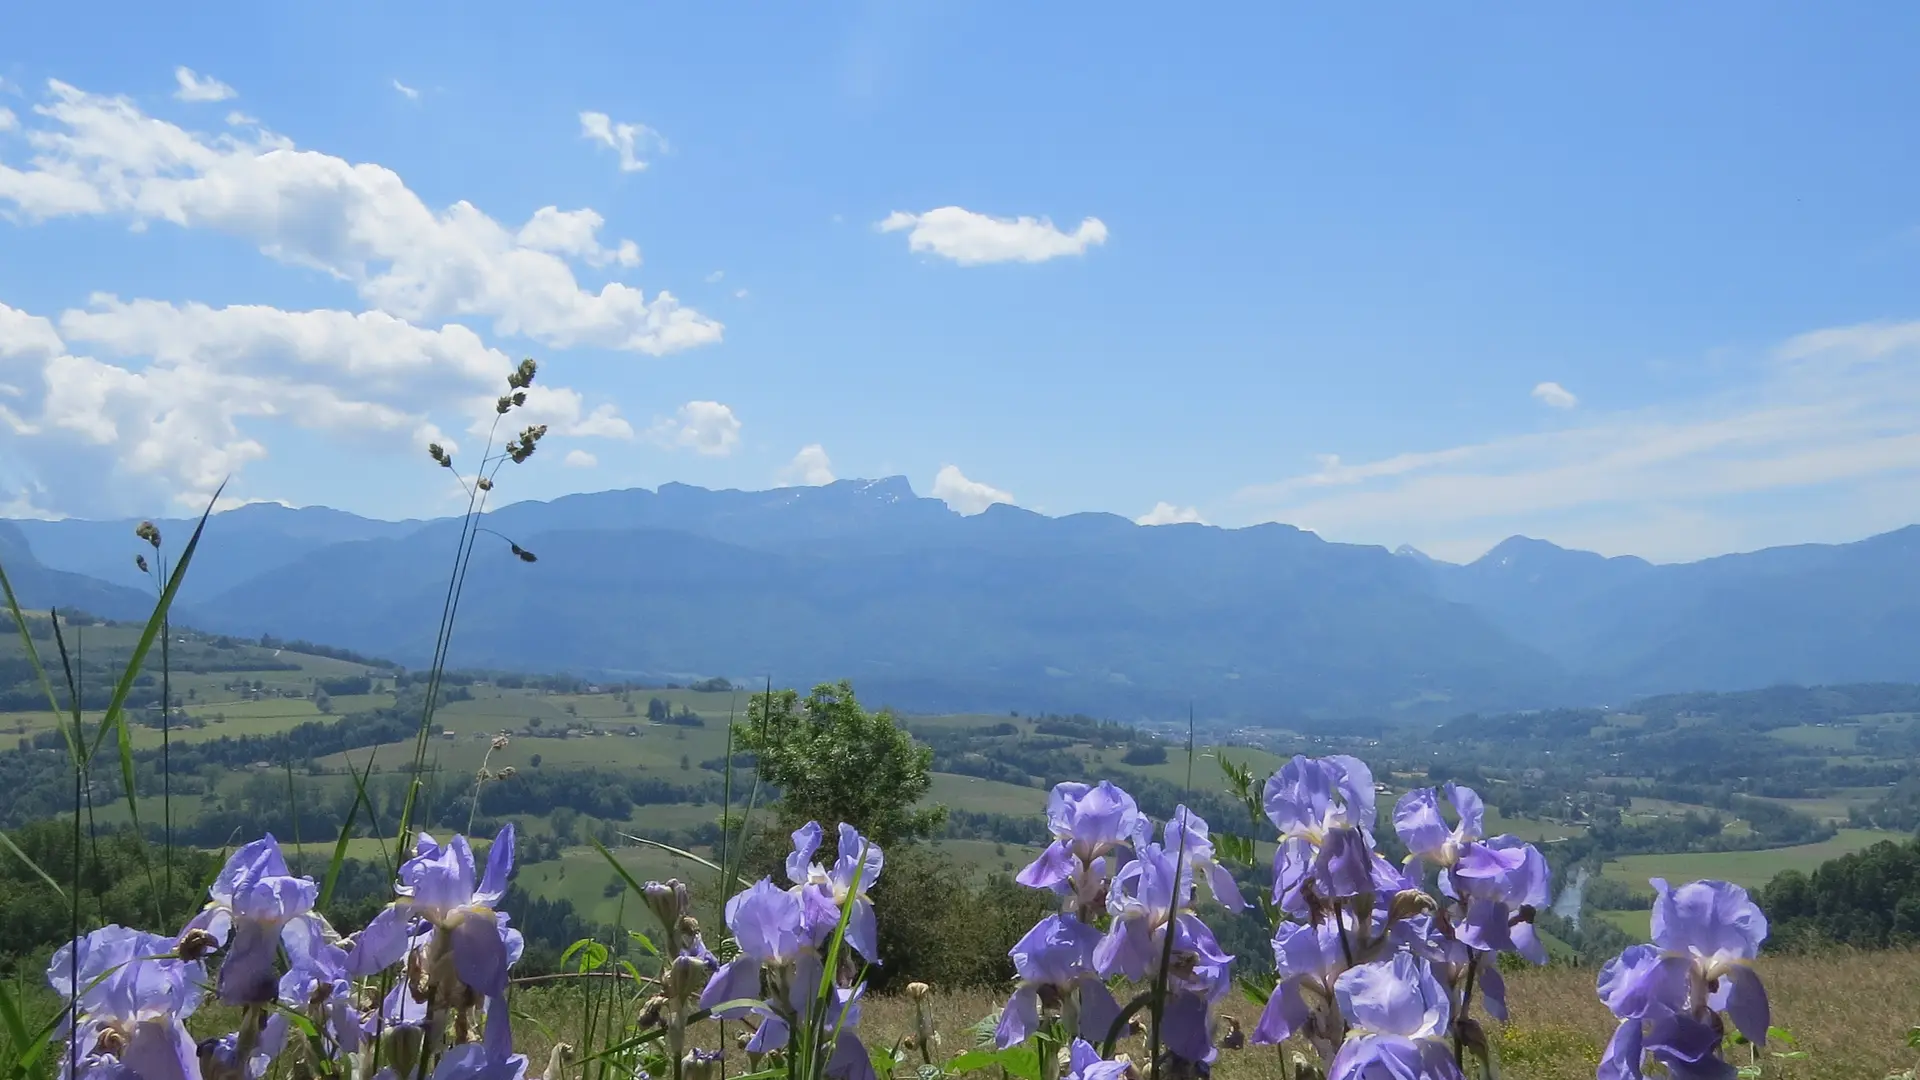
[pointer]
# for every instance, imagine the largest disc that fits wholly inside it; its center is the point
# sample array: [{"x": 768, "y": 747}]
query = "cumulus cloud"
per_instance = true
[
  {"x": 705, "y": 427},
  {"x": 810, "y": 468},
  {"x": 575, "y": 233},
  {"x": 1832, "y": 415},
  {"x": 952, "y": 487},
  {"x": 579, "y": 459},
  {"x": 406, "y": 91},
  {"x": 8, "y": 121},
  {"x": 198, "y": 88},
  {"x": 1554, "y": 395},
  {"x": 102, "y": 156},
  {"x": 630, "y": 141},
  {"x": 129, "y": 395},
  {"x": 972, "y": 239},
  {"x": 1165, "y": 513}
]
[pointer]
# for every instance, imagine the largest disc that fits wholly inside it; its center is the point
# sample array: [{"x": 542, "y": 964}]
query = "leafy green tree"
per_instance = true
[{"x": 833, "y": 761}]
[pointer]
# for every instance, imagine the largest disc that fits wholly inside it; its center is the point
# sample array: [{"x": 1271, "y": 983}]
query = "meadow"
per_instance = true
[{"x": 1849, "y": 1012}]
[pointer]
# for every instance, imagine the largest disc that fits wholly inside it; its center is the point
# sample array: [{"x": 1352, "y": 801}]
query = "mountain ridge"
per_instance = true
[{"x": 1013, "y": 608}]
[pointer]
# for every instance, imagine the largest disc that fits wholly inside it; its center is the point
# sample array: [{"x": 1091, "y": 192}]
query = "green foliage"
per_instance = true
[
  {"x": 1869, "y": 899},
  {"x": 936, "y": 927},
  {"x": 833, "y": 761},
  {"x": 113, "y": 888}
]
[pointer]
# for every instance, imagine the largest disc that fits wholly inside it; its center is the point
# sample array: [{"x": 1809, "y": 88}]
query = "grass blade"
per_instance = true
[
  {"x": 33, "y": 658},
  {"x": 346, "y": 833},
  {"x": 7, "y": 842},
  {"x": 682, "y": 852},
  {"x": 115, "y": 717}
]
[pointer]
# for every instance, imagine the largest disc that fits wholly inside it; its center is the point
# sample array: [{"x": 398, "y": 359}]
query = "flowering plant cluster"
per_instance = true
[
  {"x": 410, "y": 994},
  {"x": 1378, "y": 966}
]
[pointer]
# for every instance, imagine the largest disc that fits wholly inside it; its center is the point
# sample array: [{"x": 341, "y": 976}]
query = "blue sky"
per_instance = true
[{"x": 1640, "y": 279}]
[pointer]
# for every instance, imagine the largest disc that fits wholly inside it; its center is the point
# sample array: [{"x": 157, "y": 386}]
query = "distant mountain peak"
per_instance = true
[
  {"x": 1408, "y": 551},
  {"x": 885, "y": 488}
]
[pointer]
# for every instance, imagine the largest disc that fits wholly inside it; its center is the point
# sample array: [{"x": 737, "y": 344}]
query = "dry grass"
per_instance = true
[{"x": 1850, "y": 1012}]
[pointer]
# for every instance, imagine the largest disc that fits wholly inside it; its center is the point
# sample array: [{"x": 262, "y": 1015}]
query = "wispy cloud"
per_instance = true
[
  {"x": 972, "y": 239},
  {"x": 631, "y": 141},
  {"x": 1834, "y": 414},
  {"x": 358, "y": 222},
  {"x": 579, "y": 459},
  {"x": 193, "y": 87},
  {"x": 705, "y": 427},
  {"x": 1165, "y": 513},
  {"x": 966, "y": 496},
  {"x": 810, "y": 467},
  {"x": 1555, "y": 395},
  {"x": 406, "y": 91}
]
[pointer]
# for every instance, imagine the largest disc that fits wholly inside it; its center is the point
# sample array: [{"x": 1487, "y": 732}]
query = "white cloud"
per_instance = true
[
  {"x": 1554, "y": 395},
  {"x": 1165, "y": 513},
  {"x": 972, "y": 239},
  {"x": 579, "y": 459},
  {"x": 630, "y": 141},
  {"x": 952, "y": 487},
  {"x": 8, "y": 121},
  {"x": 1831, "y": 417},
  {"x": 574, "y": 233},
  {"x": 810, "y": 468},
  {"x": 196, "y": 88},
  {"x": 406, "y": 91},
  {"x": 705, "y": 427},
  {"x": 361, "y": 224},
  {"x": 714, "y": 278},
  {"x": 179, "y": 397},
  {"x": 236, "y": 118},
  {"x": 739, "y": 294}
]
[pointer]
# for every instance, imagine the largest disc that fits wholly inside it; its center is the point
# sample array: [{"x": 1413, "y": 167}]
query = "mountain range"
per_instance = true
[{"x": 928, "y": 609}]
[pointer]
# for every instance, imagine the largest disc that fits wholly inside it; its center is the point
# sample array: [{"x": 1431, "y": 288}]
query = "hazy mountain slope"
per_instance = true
[
  {"x": 1011, "y": 609},
  {"x": 238, "y": 544},
  {"x": 1812, "y": 613},
  {"x": 38, "y": 588}
]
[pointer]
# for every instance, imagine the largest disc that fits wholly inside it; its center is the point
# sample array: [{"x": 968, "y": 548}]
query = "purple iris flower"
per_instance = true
[
  {"x": 1417, "y": 818},
  {"x": 1151, "y": 897},
  {"x": 1498, "y": 908},
  {"x": 1310, "y": 797},
  {"x": 220, "y": 1057},
  {"x": 1706, "y": 936},
  {"x": 770, "y": 925},
  {"x": 823, "y": 890},
  {"x": 318, "y": 985},
  {"x": 1400, "y": 1020},
  {"x": 1308, "y": 959},
  {"x": 492, "y": 1058},
  {"x": 129, "y": 996},
  {"x": 438, "y": 885},
  {"x": 1085, "y": 1063},
  {"x": 1186, "y": 834},
  {"x": 253, "y": 900},
  {"x": 1087, "y": 823},
  {"x": 1324, "y": 809},
  {"x": 1054, "y": 962}
]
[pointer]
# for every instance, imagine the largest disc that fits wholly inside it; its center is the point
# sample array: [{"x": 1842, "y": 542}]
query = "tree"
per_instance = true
[{"x": 833, "y": 761}]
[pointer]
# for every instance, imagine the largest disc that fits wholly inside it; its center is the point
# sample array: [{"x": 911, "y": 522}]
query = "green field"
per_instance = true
[{"x": 1750, "y": 868}]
